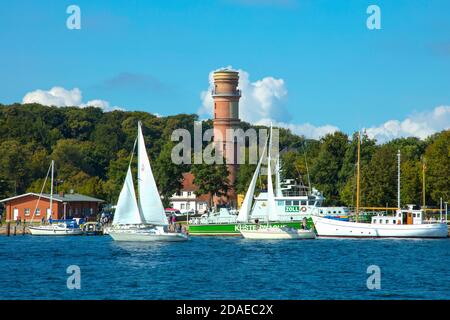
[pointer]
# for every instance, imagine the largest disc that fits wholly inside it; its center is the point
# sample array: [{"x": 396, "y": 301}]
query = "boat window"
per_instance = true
[
  {"x": 289, "y": 203},
  {"x": 311, "y": 202},
  {"x": 295, "y": 202},
  {"x": 303, "y": 202},
  {"x": 381, "y": 221},
  {"x": 280, "y": 203}
]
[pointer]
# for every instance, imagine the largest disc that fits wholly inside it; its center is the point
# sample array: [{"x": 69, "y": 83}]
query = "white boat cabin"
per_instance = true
[{"x": 403, "y": 216}]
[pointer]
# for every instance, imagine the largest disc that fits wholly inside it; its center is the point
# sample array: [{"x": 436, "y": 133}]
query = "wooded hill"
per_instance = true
[{"x": 91, "y": 149}]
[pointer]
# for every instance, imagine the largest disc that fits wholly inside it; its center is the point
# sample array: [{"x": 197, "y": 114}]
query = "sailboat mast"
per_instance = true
[
  {"x": 269, "y": 175},
  {"x": 357, "y": 176},
  {"x": 51, "y": 190},
  {"x": 423, "y": 183},
  {"x": 398, "y": 179}
]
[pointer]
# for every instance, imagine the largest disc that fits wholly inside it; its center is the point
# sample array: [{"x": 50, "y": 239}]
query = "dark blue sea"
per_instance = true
[{"x": 223, "y": 268}]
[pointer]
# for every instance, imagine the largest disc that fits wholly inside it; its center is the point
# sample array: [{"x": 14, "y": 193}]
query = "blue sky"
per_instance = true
[{"x": 156, "y": 56}]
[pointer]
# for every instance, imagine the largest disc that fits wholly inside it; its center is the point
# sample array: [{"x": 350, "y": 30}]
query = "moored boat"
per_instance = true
[
  {"x": 56, "y": 229},
  {"x": 274, "y": 233},
  {"x": 268, "y": 232},
  {"x": 383, "y": 226},
  {"x": 406, "y": 223}
]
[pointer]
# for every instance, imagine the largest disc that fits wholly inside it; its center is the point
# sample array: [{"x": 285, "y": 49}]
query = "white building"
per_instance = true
[{"x": 186, "y": 200}]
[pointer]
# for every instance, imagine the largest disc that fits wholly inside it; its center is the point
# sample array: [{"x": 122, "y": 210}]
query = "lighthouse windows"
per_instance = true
[{"x": 234, "y": 109}]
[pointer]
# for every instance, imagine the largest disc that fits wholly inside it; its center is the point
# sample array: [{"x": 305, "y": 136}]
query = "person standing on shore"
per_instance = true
[
  {"x": 1, "y": 220},
  {"x": 174, "y": 220}
]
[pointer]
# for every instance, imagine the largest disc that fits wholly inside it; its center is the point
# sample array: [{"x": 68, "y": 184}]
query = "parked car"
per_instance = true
[{"x": 171, "y": 211}]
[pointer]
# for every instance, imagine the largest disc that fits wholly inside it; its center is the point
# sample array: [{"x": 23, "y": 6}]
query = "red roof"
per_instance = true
[{"x": 188, "y": 185}]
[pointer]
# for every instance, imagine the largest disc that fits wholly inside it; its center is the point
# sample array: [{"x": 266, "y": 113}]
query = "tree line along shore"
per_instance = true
[{"x": 91, "y": 149}]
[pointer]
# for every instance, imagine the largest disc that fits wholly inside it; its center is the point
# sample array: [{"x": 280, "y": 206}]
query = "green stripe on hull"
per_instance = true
[{"x": 232, "y": 229}]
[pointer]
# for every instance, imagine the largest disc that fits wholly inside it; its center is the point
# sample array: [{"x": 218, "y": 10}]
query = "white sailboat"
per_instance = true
[
  {"x": 406, "y": 223},
  {"x": 267, "y": 232},
  {"x": 53, "y": 229},
  {"x": 145, "y": 219}
]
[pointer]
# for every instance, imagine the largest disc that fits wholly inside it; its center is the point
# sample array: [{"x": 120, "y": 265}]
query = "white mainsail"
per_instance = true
[
  {"x": 272, "y": 214},
  {"x": 149, "y": 199},
  {"x": 247, "y": 203},
  {"x": 127, "y": 211}
]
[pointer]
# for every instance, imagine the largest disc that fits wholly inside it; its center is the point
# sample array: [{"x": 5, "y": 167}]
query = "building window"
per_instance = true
[
  {"x": 182, "y": 206},
  {"x": 188, "y": 205},
  {"x": 179, "y": 193},
  {"x": 38, "y": 212},
  {"x": 189, "y": 193},
  {"x": 27, "y": 212}
]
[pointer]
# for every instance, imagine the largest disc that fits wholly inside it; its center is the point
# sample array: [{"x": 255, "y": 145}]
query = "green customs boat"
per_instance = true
[{"x": 294, "y": 203}]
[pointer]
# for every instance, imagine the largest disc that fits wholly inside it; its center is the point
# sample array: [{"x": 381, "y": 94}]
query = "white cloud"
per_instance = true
[
  {"x": 261, "y": 99},
  {"x": 308, "y": 130},
  {"x": 61, "y": 97},
  {"x": 263, "y": 102},
  {"x": 419, "y": 124}
]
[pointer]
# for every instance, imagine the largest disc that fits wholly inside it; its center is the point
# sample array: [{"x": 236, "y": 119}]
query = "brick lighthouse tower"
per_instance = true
[{"x": 226, "y": 116}]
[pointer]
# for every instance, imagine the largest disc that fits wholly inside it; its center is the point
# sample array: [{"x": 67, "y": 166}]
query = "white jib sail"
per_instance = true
[
  {"x": 149, "y": 199},
  {"x": 247, "y": 203},
  {"x": 127, "y": 211},
  {"x": 272, "y": 213}
]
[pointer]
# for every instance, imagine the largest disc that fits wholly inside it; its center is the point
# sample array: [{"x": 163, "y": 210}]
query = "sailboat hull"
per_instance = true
[
  {"x": 278, "y": 234},
  {"x": 54, "y": 231},
  {"x": 333, "y": 228},
  {"x": 141, "y": 235}
]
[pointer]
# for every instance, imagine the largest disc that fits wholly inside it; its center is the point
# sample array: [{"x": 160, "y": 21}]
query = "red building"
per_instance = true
[{"x": 69, "y": 205}]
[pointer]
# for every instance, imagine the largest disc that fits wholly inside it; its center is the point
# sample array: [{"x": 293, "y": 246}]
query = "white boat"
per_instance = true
[
  {"x": 268, "y": 233},
  {"x": 60, "y": 229},
  {"x": 383, "y": 226},
  {"x": 145, "y": 234},
  {"x": 64, "y": 228},
  {"x": 278, "y": 234},
  {"x": 143, "y": 219},
  {"x": 406, "y": 223}
]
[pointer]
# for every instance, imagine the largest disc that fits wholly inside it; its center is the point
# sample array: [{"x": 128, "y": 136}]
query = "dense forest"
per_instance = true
[{"x": 91, "y": 149}]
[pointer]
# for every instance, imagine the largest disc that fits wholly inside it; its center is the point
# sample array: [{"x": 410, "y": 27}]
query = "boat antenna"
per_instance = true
[
  {"x": 398, "y": 179},
  {"x": 306, "y": 164},
  {"x": 357, "y": 175},
  {"x": 424, "y": 167}
]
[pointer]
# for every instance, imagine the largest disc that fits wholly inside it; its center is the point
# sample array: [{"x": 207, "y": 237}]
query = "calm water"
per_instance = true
[{"x": 223, "y": 268}]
